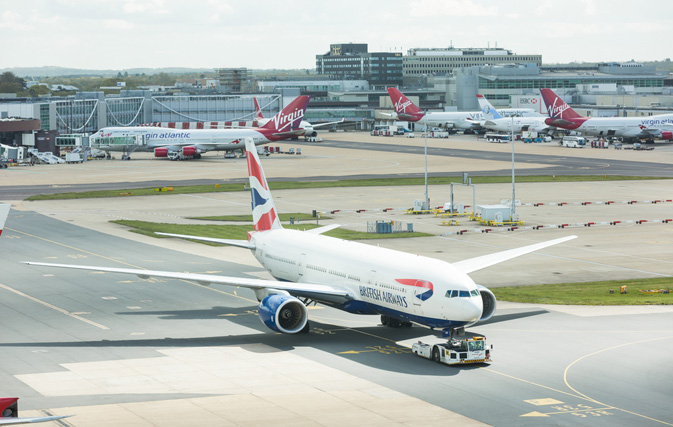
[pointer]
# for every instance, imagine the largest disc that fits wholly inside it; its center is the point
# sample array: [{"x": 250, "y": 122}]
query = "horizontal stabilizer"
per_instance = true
[
  {"x": 240, "y": 243},
  {"x": 321, "y": 230},
  {"x": 473, "y": 264},
  {"x": 290, "y": 133},
  {"x": 559, "y": 123}
]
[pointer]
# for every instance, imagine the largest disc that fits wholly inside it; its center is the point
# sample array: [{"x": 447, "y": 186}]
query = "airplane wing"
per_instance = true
[
  {"x": 473, "y": 264},
  {"x": 29, "y": 420},
  {"x": 313, "y": 289},
  {"x": 343, "y": 120},
  {"x": 240, "y": 243}
]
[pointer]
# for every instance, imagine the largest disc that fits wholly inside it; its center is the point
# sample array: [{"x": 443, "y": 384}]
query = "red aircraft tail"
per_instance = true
[
  {"x": 405, "y": 109},
  {"x": 258, "y": 111}
]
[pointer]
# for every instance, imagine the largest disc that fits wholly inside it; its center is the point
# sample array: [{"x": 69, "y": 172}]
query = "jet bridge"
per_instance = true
[{"x": 125, "y": 144}]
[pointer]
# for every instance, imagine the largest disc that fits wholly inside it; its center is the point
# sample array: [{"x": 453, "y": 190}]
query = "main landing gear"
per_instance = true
[{"x": 393, "y": 322}]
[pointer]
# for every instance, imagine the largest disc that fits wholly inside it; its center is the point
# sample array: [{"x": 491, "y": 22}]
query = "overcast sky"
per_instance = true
[{"x": 120, "y": 34}]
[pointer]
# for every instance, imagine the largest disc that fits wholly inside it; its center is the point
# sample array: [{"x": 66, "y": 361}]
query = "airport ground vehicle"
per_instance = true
[
  {"x": 573, "y": 141},
  {"x": 494, "y": 137},
  {"x": 455, "y": 351}
]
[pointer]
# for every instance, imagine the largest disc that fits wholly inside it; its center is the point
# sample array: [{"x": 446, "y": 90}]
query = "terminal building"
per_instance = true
[
  {"x": 353, "y": 61},
  {"x": 442, "y": 61}
]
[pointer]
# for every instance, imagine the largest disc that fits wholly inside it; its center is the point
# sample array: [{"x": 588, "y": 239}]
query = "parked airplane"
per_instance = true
[
  {"x": 648, "y": 128},
  {"x": 309, "y": 129},
  {"x": 408, "y": 111},
  {"x": 9, "y": 414},
  {"x": 495, "y": 121},
  {"x": 350, "y": 276},
  {"x": 178, "y": 144}
]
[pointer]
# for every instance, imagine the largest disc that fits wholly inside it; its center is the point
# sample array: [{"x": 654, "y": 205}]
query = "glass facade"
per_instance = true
[
  {"x": 44, "y": 117},
  {"x": 77, "y": 116},
  {"x": 568, "y": 82},
  {"x": 125, "y": 111}
]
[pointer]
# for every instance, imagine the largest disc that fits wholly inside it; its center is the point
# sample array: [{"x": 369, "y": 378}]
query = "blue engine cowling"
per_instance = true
[
  {"x": 488, "y": 301},
  {"x": 283, "y": 313}
]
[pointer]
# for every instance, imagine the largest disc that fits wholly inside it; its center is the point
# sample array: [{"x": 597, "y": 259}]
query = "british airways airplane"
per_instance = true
[
  {"x": 178, "y": 144},
  {"x": 408, "y": 111},
  {"x": 564, "y": 117},
  {"x": 358, "y": 278}
]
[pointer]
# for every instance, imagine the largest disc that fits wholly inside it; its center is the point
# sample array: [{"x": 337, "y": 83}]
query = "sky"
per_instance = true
[{"x": 263, "y": 34}]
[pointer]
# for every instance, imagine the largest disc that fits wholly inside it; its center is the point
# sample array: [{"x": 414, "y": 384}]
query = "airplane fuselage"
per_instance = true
[
  {"x": 465, "y": 120},
  {"x": 380, "y": 281},
  {"x": 628, "y": 127},
  {"x": 149, "y": 138},
  {"x": 517, "y": 124}
]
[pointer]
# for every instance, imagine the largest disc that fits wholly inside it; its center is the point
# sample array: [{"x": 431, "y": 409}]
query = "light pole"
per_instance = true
[
  {"x": 513, "y": 212},
  {"x": 427, "y": 198}
]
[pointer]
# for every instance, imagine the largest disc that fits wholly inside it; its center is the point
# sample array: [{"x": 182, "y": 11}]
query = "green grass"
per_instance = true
[
  {"x": 240, "y": 232},
  {"x": 289, "y": 185},
  {"x": 298, "y": 216},
  {"x": 590, "y": 293}
]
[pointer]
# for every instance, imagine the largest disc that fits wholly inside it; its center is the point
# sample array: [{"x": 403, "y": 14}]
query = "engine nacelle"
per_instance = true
[
  {"x": 283, "y": 313},
  {"x": 667, "y": 135},
  {"x": 488, "y": 301},
  {"x": 189, "y": 151},
  {"x": 161, "y": 152}
]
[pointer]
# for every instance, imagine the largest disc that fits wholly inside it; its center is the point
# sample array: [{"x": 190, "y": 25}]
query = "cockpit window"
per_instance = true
[
  {"x": 454, "y": 293},
  {"x": 464, "y": 294},
  {"x": 474, "y": 293}
]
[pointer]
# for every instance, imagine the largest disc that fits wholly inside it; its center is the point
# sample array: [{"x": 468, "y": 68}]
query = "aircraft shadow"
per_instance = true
[{"x": 373, "y": 346}]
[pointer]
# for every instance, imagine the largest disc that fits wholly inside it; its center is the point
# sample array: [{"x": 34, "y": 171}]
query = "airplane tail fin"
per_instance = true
[
  {"x": 4, "y": 212},
  {"x": 258, "y": 111},
  {"x": 556, "y": 107},
  {"x": 264, "y": 214},
  {"x": 487, "y": 109},
  {"x": 289, "y": 118},
  {"x": 405, "y": 109}
]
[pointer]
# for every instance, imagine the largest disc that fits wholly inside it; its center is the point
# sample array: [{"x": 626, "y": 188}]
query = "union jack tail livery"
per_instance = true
[
  {"x": 4, "y": 212},
  {"x": 405, "y": 109},
  {"x": 264, "y": 213},
  {"x": 289, "y": 118},
  {"x": 258, "y": 111}
]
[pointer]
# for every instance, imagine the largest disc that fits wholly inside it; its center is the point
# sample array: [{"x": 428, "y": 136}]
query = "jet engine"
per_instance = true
[
  {"x": 161, "y": 152},
  {"x": 488, "y": 301},
  {"x": 189, "y": 151},
  {"x": 283, "y": 313},
  {"x": 667, "y": 135}
]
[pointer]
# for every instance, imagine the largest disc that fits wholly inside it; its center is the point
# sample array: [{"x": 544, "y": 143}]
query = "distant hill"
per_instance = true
[{"x": 51, "y": 71}]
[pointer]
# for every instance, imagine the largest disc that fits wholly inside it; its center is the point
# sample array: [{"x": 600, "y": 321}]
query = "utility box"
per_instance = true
[{"x": 497, "y": 213}]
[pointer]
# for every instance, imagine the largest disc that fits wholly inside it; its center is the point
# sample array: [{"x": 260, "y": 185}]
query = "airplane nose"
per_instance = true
[{"x": 472, "y": 309}]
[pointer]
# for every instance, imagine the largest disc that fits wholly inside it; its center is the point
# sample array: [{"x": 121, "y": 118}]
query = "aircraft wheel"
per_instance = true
[
  {"x": 435, "y": 354},
  {"x": 384, "y": 320},
  {"x": 306, "y": 328}
]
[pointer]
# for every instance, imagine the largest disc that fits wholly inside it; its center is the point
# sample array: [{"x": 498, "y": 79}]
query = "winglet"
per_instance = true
[{"x": 4, "y": 212}]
